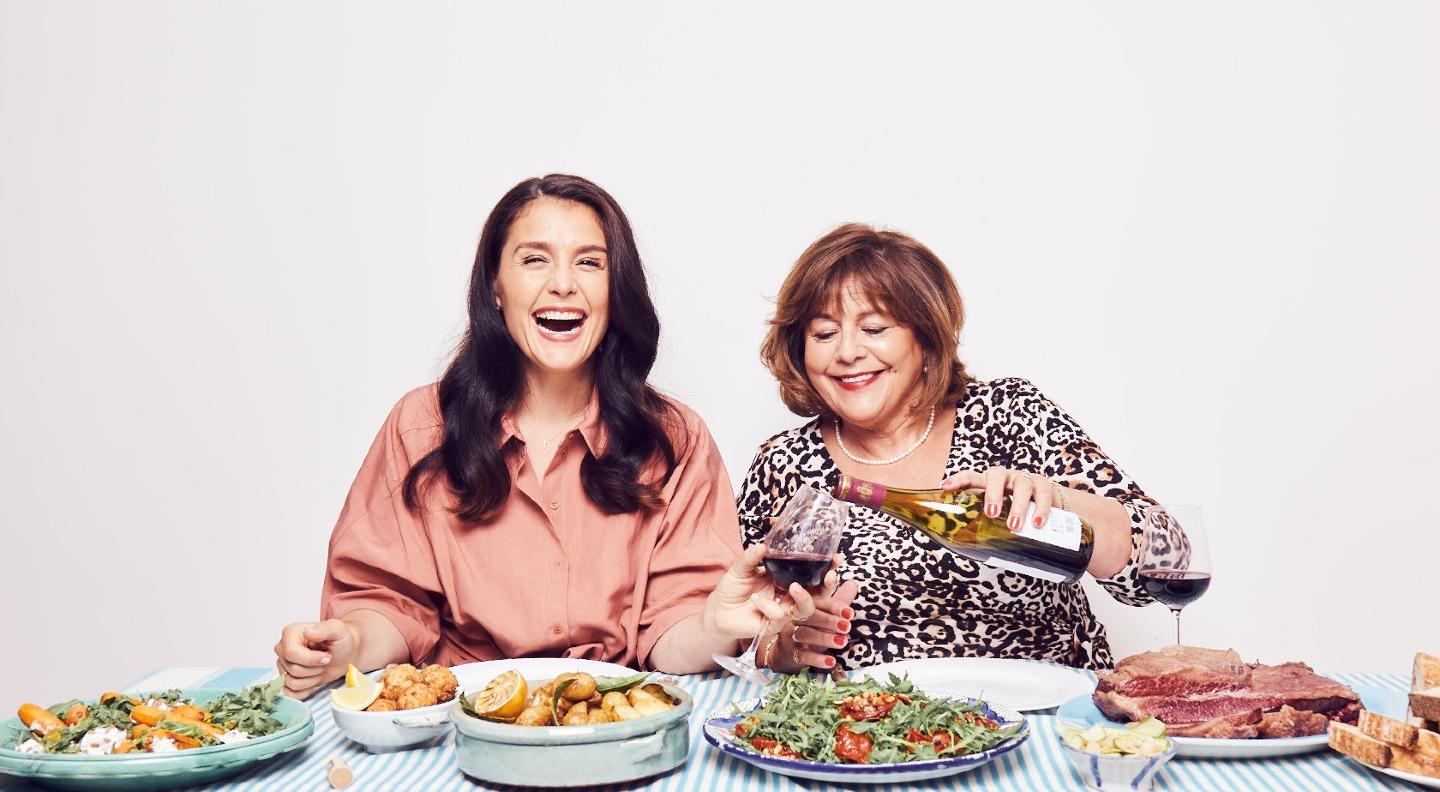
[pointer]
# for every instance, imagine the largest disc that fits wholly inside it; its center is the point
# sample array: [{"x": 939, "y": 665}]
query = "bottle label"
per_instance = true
[
  {"x": 1061, "y": 529},
  {"x": 865, "y": 493}
]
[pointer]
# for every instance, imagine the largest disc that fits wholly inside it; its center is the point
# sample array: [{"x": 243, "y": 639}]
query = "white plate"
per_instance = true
[
  {"x": 1081, "y": 711},
  {"x": 1424, "y": 781},
  {"x": 719, "y": 731},
  {"x": 1024, "y": 685}
]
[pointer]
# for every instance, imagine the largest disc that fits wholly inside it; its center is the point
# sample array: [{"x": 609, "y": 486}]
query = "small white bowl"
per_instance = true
[
  {"x": 1116, "y": 773},
  {"x": 394, "y": 730}
]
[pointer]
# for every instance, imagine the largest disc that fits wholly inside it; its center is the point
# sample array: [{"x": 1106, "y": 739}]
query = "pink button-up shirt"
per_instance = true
[{"x": 551, "y": 574}]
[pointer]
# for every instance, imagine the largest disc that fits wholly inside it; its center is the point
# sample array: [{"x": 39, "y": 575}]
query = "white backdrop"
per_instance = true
[{"x": 232, "y": 235}]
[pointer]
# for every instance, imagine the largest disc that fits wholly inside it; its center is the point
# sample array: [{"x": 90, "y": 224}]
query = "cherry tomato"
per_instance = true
[{"x": 852, "y": 747}]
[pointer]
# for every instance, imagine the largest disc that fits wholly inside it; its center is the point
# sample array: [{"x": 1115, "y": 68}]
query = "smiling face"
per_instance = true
[
  {"x": 864, "y": 366},
  {"x": 553, "y": 285}
]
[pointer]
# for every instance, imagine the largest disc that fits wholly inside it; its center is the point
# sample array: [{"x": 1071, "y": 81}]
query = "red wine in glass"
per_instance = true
[
  {"x": 807, "y": 569},
  {"x": 1175, "y": 588}
]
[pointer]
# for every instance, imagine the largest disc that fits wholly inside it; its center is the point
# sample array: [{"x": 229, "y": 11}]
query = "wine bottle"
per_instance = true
[{"x": 1058, "y": 551}]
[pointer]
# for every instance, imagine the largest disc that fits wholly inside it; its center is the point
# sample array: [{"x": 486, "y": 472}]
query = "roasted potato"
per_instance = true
[
  {"x": 659, "y": 693},
  {"x": 614, "y": 699},
  {"x": 577, "y": 716},
  {"x": 625, "y": 712},
  {"x": 534, "y": 716},
  {"x": 579, "y": 690},
  {"x": 599, "y": 716}
]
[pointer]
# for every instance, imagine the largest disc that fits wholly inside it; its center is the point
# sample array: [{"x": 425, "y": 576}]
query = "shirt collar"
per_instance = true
[{"x": 591, "y": 430}]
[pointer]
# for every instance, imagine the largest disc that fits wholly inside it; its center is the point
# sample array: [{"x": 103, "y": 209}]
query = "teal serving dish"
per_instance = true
[
  {"x": 146, "y": 771},
  {"x": 572, "y": 756}
]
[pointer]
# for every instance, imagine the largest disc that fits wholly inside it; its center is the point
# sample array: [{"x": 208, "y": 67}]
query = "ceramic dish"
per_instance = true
[
  {"x": 147, "y": 771},
  {"x": 1116, "y": 773},
  {"x": 1081, "y": 711},
  {"x": 378, "y": 732},
  {"x": 568, "y": 756},
  {"x": 720, "y": 732},
  {"x": 1024, "y": 685}
]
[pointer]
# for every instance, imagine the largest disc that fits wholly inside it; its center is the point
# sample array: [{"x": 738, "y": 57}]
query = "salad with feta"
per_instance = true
[{"x": 118, "y": 723}]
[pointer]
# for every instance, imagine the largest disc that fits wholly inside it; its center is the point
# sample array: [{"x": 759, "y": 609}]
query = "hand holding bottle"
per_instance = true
[{"x": 1022, "y": 487}]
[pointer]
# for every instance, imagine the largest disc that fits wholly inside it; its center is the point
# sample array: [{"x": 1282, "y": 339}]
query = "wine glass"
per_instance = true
[
  {"x": 1175, "y": 557},
  {"x": 799, "y": 548}
]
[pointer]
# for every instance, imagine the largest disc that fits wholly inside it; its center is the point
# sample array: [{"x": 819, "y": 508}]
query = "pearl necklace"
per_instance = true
[{"x": 840, "y": 440}]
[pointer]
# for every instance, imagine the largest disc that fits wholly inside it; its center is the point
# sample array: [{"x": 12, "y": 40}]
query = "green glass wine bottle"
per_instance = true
[{"x": 1058, "y": 551}]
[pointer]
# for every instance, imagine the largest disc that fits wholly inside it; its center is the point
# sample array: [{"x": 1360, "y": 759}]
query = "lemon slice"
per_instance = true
[
  {"x": 503, "y": 698},
  {"x": 359, "y": 692}
]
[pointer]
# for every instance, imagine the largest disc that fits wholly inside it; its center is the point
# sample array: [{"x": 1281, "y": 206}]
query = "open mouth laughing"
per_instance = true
[{"x": 561, "y": 323}]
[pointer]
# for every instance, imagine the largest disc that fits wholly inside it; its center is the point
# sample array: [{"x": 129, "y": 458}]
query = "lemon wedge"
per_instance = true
[
  {"x": 359, "y": 692},
  {"x": 503, "y": 698}
]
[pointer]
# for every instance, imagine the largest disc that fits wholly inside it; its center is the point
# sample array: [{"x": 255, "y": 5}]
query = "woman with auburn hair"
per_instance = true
[
  {"x": 864, "y": 339},
  {"x": 541, "y": 498}
]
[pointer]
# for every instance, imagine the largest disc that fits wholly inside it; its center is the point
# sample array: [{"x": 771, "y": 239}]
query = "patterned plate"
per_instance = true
[{"x": 720, "y": 732}]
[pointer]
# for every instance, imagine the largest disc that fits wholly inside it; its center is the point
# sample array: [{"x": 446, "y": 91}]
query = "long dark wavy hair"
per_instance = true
[{"x": 486, "y": 380}]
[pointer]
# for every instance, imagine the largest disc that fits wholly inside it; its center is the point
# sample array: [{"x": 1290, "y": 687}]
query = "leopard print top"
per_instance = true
[{"x": 918, "y": 599}]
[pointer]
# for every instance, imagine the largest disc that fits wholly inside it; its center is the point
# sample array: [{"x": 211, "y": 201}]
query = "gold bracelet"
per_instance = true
[
  {"x": 765, "y": 652},
  {"x": 1059, "y": 493}
]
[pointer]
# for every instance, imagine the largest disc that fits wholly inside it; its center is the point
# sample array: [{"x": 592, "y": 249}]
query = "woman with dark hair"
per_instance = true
[
  {"x": 542, "y": 498},
  {"x": 864, "y": 340}
]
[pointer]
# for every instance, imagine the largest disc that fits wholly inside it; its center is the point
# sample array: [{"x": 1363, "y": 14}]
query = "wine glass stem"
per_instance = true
[{"x": 1176, "y": 611}]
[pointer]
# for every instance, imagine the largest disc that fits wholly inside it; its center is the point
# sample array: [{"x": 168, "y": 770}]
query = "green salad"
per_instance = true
[{"x": 865, "y": 722}]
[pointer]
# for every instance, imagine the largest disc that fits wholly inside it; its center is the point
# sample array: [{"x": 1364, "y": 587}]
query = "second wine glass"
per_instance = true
[
  {"x": 1174, "y": 557},
  {"x": 799, "y": 548}
]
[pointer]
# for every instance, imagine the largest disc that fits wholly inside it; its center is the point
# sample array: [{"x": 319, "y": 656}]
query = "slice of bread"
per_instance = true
[
  {"x": 1426, "y": 704},
  {"x": 1350, "y": 741},
  {"x": 1425, "y": 673},
  {"x": 1412, "y": 762},
  {"x": 1388, "y": 730}
]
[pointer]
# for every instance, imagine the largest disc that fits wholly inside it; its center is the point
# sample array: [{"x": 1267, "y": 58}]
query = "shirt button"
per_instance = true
[
  {"x": 554, "y": 505},
  {"x": 555, "y": 628}
]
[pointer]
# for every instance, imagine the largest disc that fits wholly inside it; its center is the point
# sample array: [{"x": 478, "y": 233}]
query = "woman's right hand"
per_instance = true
[
  {"x": 310, "y": 654},
  {"x": 809, "y": 629}
]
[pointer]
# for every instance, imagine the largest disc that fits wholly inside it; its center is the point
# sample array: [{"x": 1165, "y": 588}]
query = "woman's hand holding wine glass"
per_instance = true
[{"x": 799, "y": 554}]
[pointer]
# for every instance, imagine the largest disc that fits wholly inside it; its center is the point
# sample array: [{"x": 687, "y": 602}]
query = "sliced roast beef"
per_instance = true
[
  {"x": 1210, "y": 693},
  {"x": 1177, "y": 671}
]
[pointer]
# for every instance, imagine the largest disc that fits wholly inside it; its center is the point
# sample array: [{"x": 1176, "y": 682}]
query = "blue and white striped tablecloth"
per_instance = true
[{"x": 1039, "y": 766}]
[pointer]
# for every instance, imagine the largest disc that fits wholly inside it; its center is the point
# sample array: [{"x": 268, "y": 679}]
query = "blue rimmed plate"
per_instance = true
[
  {"x": 720, "y": 732},
  {"x": 1081, "y": 711},
  {"x": 147, "y": 771}
]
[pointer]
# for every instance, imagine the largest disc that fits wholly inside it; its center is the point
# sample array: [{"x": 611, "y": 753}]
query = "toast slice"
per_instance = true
[
  {"x": 1426, "y": 704},
  {"x": 1388, "y": 730},
  {"x": 1412, "y": 762},
  {"x": 1350, "y": 741},
  {"x": 1425, "y": 673}
]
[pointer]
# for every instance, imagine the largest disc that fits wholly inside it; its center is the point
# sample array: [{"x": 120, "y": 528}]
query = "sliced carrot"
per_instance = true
[
  {"x": 76, "y": 713},
  {"x": 38, "y": 719},
  {"x": 147, "y": 715}
]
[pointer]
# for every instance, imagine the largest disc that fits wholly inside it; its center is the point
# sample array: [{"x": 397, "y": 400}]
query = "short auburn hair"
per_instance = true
[{"x": 899, "y": 276}]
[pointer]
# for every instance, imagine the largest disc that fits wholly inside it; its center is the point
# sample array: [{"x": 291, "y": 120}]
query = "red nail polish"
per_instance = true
[
  {"x": 1013, "y": 522},
  {"x": 839, "y": 640},
  {"x": 991, "y": 510},
  {"x": 1037, "y": 522},
  {"x": 847, "y": 614},
  {"x": 843, "y": 626},
  {"x": 829, "y": 662}
]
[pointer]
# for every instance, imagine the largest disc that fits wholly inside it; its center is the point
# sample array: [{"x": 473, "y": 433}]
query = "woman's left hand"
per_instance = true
[{"x": 1023, "y": 487}]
